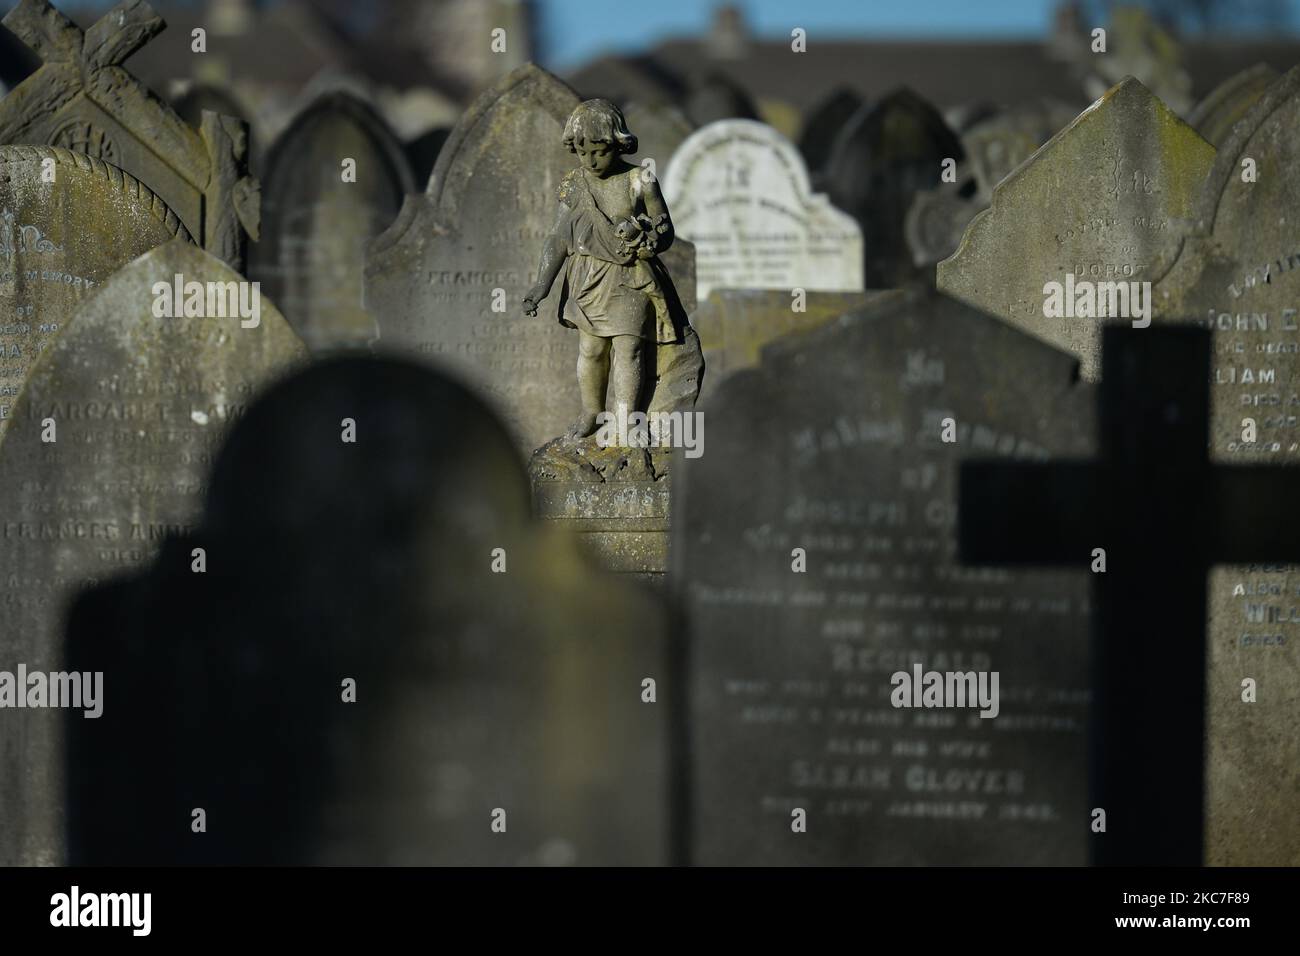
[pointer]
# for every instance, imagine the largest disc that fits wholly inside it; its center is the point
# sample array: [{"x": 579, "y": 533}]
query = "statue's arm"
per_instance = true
[
  {"x": 655, "y": 208},
  {"x": 554, "y": 251}
]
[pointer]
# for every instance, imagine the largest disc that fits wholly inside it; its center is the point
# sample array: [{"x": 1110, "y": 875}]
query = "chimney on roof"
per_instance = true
[
  {"x": 728, "y": 37},
  {"x": 1069, "y": 37},
  {"x": 228, "y": 18}
]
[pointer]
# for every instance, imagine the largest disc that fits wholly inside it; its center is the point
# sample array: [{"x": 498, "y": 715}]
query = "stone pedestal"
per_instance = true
[{"x": 615, "y": 499}]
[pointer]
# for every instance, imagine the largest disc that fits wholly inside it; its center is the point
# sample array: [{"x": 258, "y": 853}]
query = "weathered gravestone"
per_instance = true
[
  {"x": 735, "y": 324},
  {"x": 837, "y": 440},
  {"x": 1238, "y": 275},
  {"x": 334, "y": 179},
  {"x": 422, "y": 152},
  {"x": 938, "y": 217},
  {"x": 106, "y": 451},
  {"x": 203, "y": 97},
  {"x": 446, "y": 279},
  {"x": 1215, "y": 115},
  {"x": 83, "y": 99},
  {"x": 67, "y": 222},
  {"x": 498, "y": 716},
  {"x": 998, "y": 144},
  {"x": 885, "y": 154},
  {"x": 994, "y": 145},
  {"x": 715, "y": 96},
  {"x": 1131, "y": 512},
  {"x": 821, "y": 128},
  {"x": 1138, "y": 46},
  {"x": 660, "y": 129},
  {"x": 739, "y": 190},
  {"x": 1104, "y": 201},
  {"x": 446, "y": 282}
]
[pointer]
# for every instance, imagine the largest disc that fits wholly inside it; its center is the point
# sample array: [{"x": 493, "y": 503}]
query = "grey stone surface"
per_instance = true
[
  {"x": 1238, "y": 274},
  {"x": 431, "y": 278},
  {"x": 316, "y": 225},
  {"x": 82, "y": 98},
  {"x": 59, "y": 241},
  {"x": 836, "y": 438},
  {"x": 138, "y": 403},
  {"x": 660, "y": 129},
  {"x": 1107, "y": 199},
  {"x": 1220, "y": 109},
  {"x": 735, "y": 324},
  {"x": 886, "y": 153},
  {"x": 479, "y": 686}
]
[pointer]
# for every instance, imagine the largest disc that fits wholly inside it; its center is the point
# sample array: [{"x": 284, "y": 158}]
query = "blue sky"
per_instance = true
[{"x": 575, "y": 30}]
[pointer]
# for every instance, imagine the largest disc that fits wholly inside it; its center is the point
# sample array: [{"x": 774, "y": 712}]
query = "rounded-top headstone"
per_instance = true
[
  {"x": 106, "y": 454},
  {"x": 493, "y": 670},
  {"x": 334, "y": 179},
  {"x": 739, "y": 190},
  {"x": 884, "y": 155},
  {"x": 67, "y": 222}
]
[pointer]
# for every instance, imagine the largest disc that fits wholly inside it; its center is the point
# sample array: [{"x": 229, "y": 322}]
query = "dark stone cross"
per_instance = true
[{"x": 1163, "y": 514}]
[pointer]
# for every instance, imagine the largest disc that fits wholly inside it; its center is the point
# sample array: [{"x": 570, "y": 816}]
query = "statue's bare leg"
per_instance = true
[
  {"x": 593, "y": 375},
  {"x": 627, "y": 373}
]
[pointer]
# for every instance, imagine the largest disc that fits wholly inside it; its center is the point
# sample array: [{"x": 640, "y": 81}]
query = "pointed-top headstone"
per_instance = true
[
  {"x": 82, "y": 98},
  {"x": 333, "y": 180},
  {"x": 1107, "y": 199},
  {"x": 67, "y": 222},
  {"x": 106, "y": 453},
  {"x": 886, "y": 153},
  {"x": 446, "y": 280}
]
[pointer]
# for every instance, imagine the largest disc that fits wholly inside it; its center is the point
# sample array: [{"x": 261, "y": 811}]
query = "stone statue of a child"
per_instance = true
[{"x": 611, "y": 227}]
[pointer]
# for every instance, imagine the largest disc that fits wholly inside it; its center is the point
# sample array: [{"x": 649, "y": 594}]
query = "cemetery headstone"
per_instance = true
[
  {"x": 106, "y": 452},
  {"x": 822, "y": 126},
  {"x": 1237, "y": 275},
  {"x": 735, "y": 324},
  {"x": 938, "y": 218},
  {"x": 83, "y": 99},
  {"x": 739, "y": 190},
  {"x": 886, "y": 153},
  {"x": 716, "y": 96},
  {"x": 423, "y": 151},
  {"x": 1215, "y": 115},
  {"x": 836, "y": 569},
  {"x": 1107, "y": 200},
  {"x": 660, "y": 130},
  {"x": 998, "y": 144},
  {"x": 200, "y": 97},
  {"x": 334, "y": 179},
  {"x": 446, "y": 279},
  {"x": 67, "y": 222},
  {"x": 482, "y": 694},
  {"x": 1147, "y": 736},
  {"x": 1140, "y": 47}
]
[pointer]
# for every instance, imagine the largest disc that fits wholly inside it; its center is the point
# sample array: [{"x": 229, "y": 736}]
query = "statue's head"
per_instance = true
[{"x": 598, "y": 135}]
